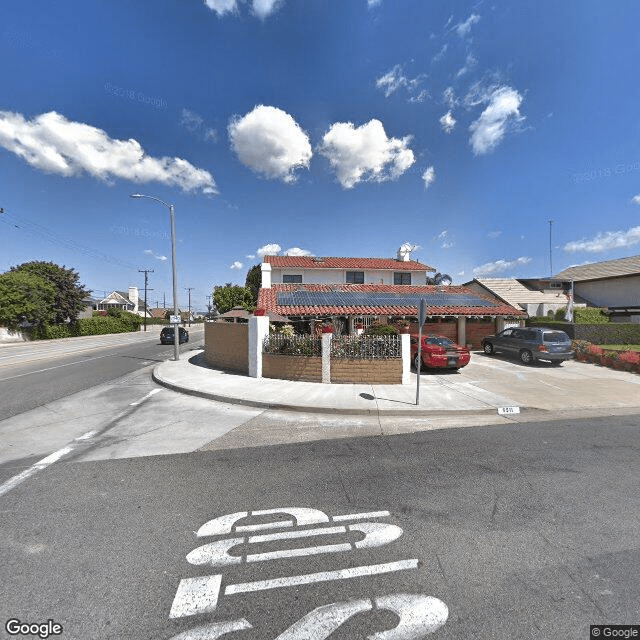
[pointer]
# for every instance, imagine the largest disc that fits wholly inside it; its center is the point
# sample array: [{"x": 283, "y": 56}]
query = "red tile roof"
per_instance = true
[
  {"x": 308, "y": 262},
  {"x": 268, "y": 300}
]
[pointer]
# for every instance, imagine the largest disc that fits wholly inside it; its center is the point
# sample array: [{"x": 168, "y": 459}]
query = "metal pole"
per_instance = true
[
  {"x": 176, "y": 329},
  {"x": 419, "y": 364},
  {"x": 146, "y": 272},
  {"x": 189, "y": 290}
]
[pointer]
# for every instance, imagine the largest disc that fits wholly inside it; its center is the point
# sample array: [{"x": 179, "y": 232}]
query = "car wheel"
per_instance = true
[
  {"x": 416, "y": 362},
  {"x": 487, "y": 347},
  {"x": 526, "y": 356}
]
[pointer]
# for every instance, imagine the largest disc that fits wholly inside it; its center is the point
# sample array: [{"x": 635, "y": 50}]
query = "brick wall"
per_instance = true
[
  {"x": 477, "y": 330},
  {"x": 226, "y": 345},
  {"x": 448, "y": 329},
  {"x": 344, "y": 370},
  {"x": 308, "y": 369}
]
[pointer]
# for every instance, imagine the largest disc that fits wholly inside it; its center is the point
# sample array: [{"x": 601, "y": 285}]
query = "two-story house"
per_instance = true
[{"x": 348, "y": 291}]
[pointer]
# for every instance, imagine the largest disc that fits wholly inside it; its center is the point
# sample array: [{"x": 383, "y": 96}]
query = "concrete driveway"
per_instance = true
[{"x": 573, "y": 385}]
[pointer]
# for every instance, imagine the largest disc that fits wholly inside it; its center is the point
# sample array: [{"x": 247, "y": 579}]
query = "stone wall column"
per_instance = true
[
  {"x": 462, "y": 331},
  {"x": 326, "y": 357},
  {"x": 406, "y": 357},
  {"x": 258, "y": 329}
]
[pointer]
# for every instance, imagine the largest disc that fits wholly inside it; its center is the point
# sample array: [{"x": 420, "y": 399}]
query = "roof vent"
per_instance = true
[{"x": 317, "y": 259}]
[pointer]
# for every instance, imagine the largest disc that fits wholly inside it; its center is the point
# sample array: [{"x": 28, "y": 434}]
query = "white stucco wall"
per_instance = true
[{"x": 339, "y": 276}]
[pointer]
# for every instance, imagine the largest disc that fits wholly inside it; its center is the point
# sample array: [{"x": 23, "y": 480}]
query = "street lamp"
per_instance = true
[{"x": 176, "y": 333}]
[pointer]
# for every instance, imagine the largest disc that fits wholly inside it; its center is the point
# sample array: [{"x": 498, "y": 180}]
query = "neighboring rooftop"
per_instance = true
[
  {"x": 599, "y": 270},
  {"x": 515, "y": 293},
  {"x": 309, "y": 262}
]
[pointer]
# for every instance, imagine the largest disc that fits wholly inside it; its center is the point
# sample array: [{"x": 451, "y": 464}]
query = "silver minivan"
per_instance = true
[{"x": 531, "y": 343}]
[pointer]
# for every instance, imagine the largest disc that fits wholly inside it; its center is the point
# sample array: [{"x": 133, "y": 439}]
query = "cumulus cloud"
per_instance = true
[
  {"x": 222, "y": 6},
  {"x": 490, "y": 128},
  {"x": 447, "y": 122},
  {"x": 270, "y": 142},
  {"x": 636, "y": 199},
  {"x": 54, "y": 144},
  {"x": 236, "y": 265},
  {"x": 269, "y": 250},
  {"x": 296, "y": 251},
  {"x": 429, "y": 177},
  {"x": 499, "y": 266},
  {"x": 365, "y": 153},
  {"x": 149, "y": 252},
  {"x": 606, "y": 241},
  {"x": 464, "y": 28}
]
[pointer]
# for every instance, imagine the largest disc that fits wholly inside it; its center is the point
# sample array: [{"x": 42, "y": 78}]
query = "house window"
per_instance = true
[
  {"x": 355, "y": 277},
  {"x": 401, "y": 278},
  {"x": 292, "y": 278}
]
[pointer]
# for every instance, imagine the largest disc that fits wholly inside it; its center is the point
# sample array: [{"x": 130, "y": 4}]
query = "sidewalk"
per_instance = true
[{"x": 439, "y": 395}]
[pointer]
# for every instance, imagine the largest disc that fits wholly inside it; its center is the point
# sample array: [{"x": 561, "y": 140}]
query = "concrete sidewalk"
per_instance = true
[{"x": 440, "y": 394}]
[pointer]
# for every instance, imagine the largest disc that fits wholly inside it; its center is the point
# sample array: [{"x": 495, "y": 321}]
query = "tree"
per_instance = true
[
  {"x": 25, "y": 298},
  {"x": 439, "y": 278},
  {"x": 254, "y": 281},
  {"x": 231, "y": 296},
  {"x": 69, "y": 294}
]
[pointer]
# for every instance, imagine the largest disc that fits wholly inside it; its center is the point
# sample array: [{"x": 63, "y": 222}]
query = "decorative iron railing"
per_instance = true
[
  {"x": 366, "y": 347},
  {"x": 280, "y": 344}
]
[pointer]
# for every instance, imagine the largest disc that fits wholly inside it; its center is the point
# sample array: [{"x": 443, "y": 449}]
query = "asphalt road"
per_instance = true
[
  {"x": 35, "y": 374},
  {"x": 520, "y": 531}
]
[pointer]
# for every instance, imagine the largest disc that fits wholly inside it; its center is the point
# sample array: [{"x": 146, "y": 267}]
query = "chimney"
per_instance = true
[
  {"x": 133, "y": 296},
  {"x": 266, "y": 275}
]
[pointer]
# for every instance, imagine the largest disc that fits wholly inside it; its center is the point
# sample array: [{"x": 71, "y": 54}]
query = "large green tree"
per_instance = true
[
  {"x": 231, "y": 296},
  {"x": 69, "y": 296},
  {"x": 254, "y": 282},
  {"x": 25, "y": 298}
]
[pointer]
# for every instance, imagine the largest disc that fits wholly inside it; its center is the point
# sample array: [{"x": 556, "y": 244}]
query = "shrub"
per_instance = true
[
  {"x": 590, "y": 315},
  {"x": 378, "y": 328}
]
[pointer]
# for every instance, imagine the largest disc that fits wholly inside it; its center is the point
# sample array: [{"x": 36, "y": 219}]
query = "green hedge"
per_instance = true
[
  {"x": 597, "y": 333},
  {"x": 98, "y": 325}
]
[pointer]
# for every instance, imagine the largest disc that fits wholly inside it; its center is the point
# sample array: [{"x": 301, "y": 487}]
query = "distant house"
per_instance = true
[
  {"x": 614, "y": 284},
  {"x": 350, "y": 291},
  {"x": 123, "y": 300},
  {"x": 535, "y": 296}
]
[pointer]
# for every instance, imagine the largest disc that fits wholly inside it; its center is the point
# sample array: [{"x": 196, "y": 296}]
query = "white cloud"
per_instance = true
[
  {"x": 463, "y": 28},
  {"x": 636, "y": 199},
  {"x": 447, "y": 122},
  {"x": 494, "y": 234},
  {"x": 195, "y": 124},
  {"x": 606, "y": 241},
  {"x": 251, "y": 256},
  {"x": 264, "y": 8},
  {"x": 469, "y": 63},
  {"x": 500, "y": 266},
  {"x": 365, "y": 153},
  {"x": 268, "y": 250},
  {"x": 236, "y": 265},
  {"x": 490, "y": 128},
  {"x": 449, "y": 97},
  {"x": 54, "y": 144},
  {"x": 373, "y": 3},
  {"x": 445, "y": 239},
  {"x": 429, "y": 177},
  {"x": 157, "y": 257},
  {"x": 394, "y": 79},
  {"x": 222, "y": 6},
  {"x": 296, "y": 251},
  {"x": 270, "y": 142},
  {"x": 440, "y": 53}
]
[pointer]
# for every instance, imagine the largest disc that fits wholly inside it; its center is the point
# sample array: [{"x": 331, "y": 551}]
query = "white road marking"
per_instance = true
[
  {"x": 58, "y": 366},
  {"x": 217, "y": 554},
  {"x": 86, "y": 436},
  {"x": 214, "y": 631},
  {"x": 324, "y": 576},
  {"x": 361, "y": 516},
  {"x": 196, "y": 595},
  {"x": 260, "y": 527},
  {"x": 151, "y": 393}
]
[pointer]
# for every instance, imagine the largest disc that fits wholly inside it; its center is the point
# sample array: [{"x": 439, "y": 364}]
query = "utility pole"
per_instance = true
[
  {"x": 550, "y": 251},
  {"x": 146, "y": 274},
  {"x": 209, "y": 307},
  {"x": 189, "y": 290}
]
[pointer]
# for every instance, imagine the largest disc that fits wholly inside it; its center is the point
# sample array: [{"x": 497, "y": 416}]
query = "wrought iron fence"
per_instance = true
[
  {"x": 286, "y": 345},
  {"x": 364, "y": 346}
]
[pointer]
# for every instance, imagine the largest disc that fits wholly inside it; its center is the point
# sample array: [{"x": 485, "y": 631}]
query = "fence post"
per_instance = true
[
  {"x": 326, "y": 357},
  {"x": 406, "y": 357},
  {"x": 258, "y": 329}
]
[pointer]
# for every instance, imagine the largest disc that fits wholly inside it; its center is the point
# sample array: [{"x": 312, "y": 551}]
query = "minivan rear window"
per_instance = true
[{"x": 555, "y": 336}]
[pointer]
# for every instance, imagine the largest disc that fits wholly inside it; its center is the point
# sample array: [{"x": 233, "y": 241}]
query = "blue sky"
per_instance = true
[{"x": 334, "y": 128}]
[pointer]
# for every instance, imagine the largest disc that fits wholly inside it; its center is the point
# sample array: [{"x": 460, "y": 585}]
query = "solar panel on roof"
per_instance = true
[{"x": 378, "y": 299}]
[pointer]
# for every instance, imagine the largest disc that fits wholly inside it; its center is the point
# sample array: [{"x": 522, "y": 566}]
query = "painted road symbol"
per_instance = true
[{"x": 419, "y": 615}]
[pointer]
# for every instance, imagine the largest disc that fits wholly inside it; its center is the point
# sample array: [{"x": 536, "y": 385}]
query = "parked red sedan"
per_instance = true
[{"x": 439, "y": 352}]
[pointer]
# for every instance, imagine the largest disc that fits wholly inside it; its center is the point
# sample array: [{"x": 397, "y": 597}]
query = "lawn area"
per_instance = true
[{"x": 620, "y": 347}]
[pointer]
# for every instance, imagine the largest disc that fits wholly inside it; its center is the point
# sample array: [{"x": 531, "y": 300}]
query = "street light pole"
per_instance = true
[
  {"x": 189, "y": 290},
  {"x": 176, "y": 327}
]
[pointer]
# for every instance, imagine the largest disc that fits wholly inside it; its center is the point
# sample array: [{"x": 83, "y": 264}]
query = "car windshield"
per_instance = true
[
  {"x": 555, "y": 336},
  {"x": 440, "y": 342}
]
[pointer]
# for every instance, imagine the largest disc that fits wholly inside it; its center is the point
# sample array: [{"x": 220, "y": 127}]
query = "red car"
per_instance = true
[{"x": 439, "y": 352}]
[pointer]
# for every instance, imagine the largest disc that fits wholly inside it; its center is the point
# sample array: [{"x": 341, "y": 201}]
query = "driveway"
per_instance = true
[{"x": 573, "y": 385}]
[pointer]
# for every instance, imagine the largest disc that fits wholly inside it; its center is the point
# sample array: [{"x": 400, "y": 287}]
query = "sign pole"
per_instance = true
[{"x": 422, "y": 316}]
